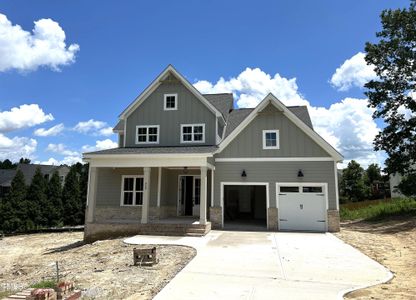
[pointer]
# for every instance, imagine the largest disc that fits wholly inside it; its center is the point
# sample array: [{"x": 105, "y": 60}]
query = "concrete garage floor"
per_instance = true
[{"x": 268, "y": 265}]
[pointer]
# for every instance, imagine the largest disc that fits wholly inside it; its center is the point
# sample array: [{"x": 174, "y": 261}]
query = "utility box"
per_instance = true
[{"x": 146, "y": 257}]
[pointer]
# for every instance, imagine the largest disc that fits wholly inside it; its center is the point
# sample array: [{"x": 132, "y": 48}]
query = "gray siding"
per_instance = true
[
  {"x": 293, "y": 141},
  {"x": 272, "y": 172},
  {"x": 190, "y": 111}
]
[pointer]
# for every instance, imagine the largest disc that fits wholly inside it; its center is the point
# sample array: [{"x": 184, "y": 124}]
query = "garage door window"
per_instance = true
[
  {"x": 312, "y": 189},
  {"x": 289, "y": 189}
]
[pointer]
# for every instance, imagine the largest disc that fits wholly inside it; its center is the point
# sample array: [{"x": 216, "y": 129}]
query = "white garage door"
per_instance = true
[{"x": 302, "y": 207}]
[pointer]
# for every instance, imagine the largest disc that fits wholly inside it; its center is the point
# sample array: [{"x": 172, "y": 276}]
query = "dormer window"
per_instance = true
[{"x": 171, "y": 102}]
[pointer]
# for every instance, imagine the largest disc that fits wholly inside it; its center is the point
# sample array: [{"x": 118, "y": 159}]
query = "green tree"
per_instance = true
[
  {"x": 84, "y": 188},
  {"x": 24, "y": 160},
  {"x": 71, "y": 200},
  {"x": 392, "y": 94},
  {"x": 54, "y": 194},
  {"x": 7, "y": 164},
  {"x": 37, "y": 199},
  {"x": 352, "y": 182},
  {"x": 408, "y": 185},
  {"x": 373, "y": 181},
  {"x": 14, "y": 207}
]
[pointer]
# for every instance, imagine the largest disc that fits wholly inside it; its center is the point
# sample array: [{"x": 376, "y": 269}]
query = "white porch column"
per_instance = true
[
  {"x": 203, "y": 197},
  {"x": 146, "y": 194},
  {"x": 212, "y": 187},
  {"x": 91, "y": 194}
]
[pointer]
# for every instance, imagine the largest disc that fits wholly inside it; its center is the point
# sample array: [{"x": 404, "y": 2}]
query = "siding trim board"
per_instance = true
[
  {"x": 224, "y": 183},
  {"x": 270, "y": 98},
  {"x": 254, "y": 159}
]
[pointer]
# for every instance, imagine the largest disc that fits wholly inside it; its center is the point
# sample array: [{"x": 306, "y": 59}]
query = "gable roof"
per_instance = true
[
  {"x": 6, "y": 177},
  {"x": 29, "y": 170},
  {"x": 155, "y": 83},
  {"x": 270, "y": 98},
  {"x": 223, "y": 102}
]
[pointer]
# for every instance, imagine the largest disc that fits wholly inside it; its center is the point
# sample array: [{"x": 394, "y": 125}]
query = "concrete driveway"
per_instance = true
[{"x": 268, "y": 265}]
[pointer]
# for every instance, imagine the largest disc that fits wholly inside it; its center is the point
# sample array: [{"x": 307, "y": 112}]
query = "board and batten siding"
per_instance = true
[
  {"x": 293, "y": 141},
  {"x": 190, "y": 110},
  {"x": 272, "y": 172}
]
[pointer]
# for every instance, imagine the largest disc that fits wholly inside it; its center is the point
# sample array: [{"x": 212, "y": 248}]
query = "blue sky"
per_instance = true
[{"x": 123, "y": 45}]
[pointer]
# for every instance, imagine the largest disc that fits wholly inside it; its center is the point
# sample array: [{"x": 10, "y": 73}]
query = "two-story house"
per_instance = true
[{"x": 187, "y": 162}]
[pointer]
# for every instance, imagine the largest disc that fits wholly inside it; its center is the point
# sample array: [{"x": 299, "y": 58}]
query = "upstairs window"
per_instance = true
[
  {"x": 148, "y": 134},
  {"x": 132, "y": 190},
  {"x": 192, "y": 133},
  {"x": 171, "y": 102},
  {"x": 271, "y": 139}
]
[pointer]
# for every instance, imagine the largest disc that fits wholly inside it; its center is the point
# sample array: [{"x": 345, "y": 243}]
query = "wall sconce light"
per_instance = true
[
  {"x": 185, "y": 170},
  {"x": 300, "y": 173},
  {"x": 244, "y": 174}
]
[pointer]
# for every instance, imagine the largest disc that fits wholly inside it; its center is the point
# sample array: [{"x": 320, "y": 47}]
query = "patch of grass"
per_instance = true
[
  {"x": 46, "y": 284},
  {"x": 378, "y": 210}
]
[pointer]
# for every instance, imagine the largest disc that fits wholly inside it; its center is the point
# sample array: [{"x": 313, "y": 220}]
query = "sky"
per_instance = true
[{"x": 68, "y": 69}]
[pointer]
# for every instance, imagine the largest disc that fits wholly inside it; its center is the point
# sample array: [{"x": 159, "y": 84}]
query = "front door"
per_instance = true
[{"x": 189, "y": 194}]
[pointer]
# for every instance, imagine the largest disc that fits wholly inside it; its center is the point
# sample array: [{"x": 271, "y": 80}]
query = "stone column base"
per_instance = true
[
  {"x": 215, "y": 214},
  {"x": 333, "y": 220},
  {"x": 272, "y": 223}
]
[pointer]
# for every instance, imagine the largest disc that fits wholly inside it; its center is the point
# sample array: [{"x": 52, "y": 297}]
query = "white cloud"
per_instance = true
[
  {"x": 353, "y": 72},
  {"x": 347, "y": 125},
  {"x": 68, "y": 160},
  {"x": 94, "y": 127},
  {"x": 53, "y": 131},
  {"x": 252, "y": 85},
  {"x": 100, "y": 145},
  {"x": 24, "y": 116},
  {"x": 16, "y": 147},
  {"x": 61, "y": 149},
  {"x": 26, "y": 51}
]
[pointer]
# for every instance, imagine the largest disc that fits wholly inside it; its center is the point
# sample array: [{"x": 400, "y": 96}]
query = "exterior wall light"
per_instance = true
[
  {"x": 300, "y": 173},
  {"x": 244, "y": 174}
]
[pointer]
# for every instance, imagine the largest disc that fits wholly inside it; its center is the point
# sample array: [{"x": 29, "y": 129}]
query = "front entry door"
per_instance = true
[{"x": 189, "y": 194}]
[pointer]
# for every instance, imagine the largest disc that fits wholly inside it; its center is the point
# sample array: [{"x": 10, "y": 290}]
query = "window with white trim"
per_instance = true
[
  {"x": 132, "y": 190},
  {"x": 192, "y": 133},
  {"x": 271, "y": 139},
  {"x": 148, "y": 134},
  {"x": 170, "y": 102}
]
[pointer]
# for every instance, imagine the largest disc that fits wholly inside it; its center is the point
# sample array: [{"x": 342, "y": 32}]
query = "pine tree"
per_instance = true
[
  {"x": 84, "y": 188},
  {"x": 54, "y": 194},
  {"x": 37, "y": 199},
  {"x": 14, "y": 207},
  {"x": 71, "y": 199}
]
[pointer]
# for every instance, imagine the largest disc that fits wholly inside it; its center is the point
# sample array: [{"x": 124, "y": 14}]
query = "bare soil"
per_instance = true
[
  {"x": 103, "y": 270},
  {"x": 392, "y": 243}
]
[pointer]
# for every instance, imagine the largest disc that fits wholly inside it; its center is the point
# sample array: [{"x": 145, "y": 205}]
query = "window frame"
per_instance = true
[
  {"x": 193, "y": 133},
  {"x": 165, "y": 96},
  {"x": 134, "y": 190},
  {"x": 147, "y": 134},
  {"x": 276, "y": 131}
]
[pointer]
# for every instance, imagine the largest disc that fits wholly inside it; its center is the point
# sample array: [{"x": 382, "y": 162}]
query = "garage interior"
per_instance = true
[{"x": 245, "y": 207}]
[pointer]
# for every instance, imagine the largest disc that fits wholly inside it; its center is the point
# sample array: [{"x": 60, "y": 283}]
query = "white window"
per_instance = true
[
  {"x": 148, "y": 134},
  {"x": 271, "y": 139},
  {"x": 132, "y": 190},
  {"x": 170, "y": 102},
  {"x": 192, "y": 133}
]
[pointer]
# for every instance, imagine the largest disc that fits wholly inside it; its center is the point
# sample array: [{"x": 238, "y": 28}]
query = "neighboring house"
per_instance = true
[
  {"x": 187, "y": 162},
  {"x": 395, "y": 180},
  {"x": 28, "y": 170}
]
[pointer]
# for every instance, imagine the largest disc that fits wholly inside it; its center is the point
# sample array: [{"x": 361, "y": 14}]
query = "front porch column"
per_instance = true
[
  {"x": 146, "y": 194},
  {"x": 91, "y": 194},
  {"x": 203, "y": 197}
]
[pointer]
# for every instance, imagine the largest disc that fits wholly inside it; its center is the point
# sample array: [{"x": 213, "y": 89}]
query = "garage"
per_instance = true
[
  {"x": 245, "y": 206},
  {"x": 302, "y": 207}
]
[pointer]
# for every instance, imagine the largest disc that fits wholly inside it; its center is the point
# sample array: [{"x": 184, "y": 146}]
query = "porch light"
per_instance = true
[
  {"x": 185, "y": 170},
  {"x": 300, "y": 173},
  {"x": 244, "y": 174}
]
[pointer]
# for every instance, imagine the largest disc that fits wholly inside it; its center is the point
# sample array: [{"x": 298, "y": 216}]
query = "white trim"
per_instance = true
[
  {"x": 159, "y": 185},
  {"x": 147, "y": 134},
  {"x": 176, "y": 101},
  {"x": 324, "y": 186},
  {"x": 155, "y": 84},
  {"x": 193, "y": 133},
  {"x": 212, "y": 188},
  {"x": 276, "y": 131},
  {"x": 124, "y": 136},
  {"x": 336, "y": 185},
  {"x": 224, "y": 183},
  {"x": 193, "y": 192},
  {"x": 257, "y": 159},
  {"x": 270, "y": 98},
  {"x": 134, "y": 190}
]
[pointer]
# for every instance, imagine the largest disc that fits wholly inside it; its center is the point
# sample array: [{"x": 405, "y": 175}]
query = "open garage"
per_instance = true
[{"x": 245, "y": 206}]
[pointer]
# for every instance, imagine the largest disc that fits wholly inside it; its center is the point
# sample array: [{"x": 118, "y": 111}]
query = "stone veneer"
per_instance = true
[
  {"x": 272, "y": 219},
  {"x": 333, "y": 220},
  {"x": 215, "y": 215}
]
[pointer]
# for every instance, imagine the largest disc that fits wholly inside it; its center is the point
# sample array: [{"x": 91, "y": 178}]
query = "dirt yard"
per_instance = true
[
  {"x": 103, "y": 270},
  {"x": 393, "y": 244}
]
